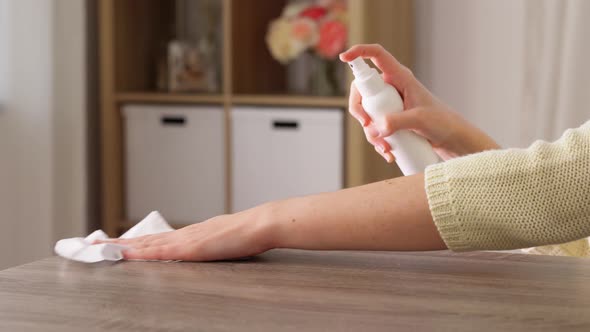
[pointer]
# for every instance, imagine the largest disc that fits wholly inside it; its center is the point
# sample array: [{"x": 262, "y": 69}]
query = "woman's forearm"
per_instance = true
[{"x": 387, "y": 215}]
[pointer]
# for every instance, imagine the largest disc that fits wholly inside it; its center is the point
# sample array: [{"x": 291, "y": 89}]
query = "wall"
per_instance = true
[
  {"x": 4, "y": 19},
  {"x": 43, "y": 109},
  {"x": 470, "y": 54}
]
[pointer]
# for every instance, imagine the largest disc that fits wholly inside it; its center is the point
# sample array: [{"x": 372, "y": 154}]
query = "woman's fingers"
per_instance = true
[
  {"x": 388, "y": 156},
  {"x": 355, "y": 107},
  {"x": 393, "y": 71},
  {"x": 162, "y": 252},
  {"x": 381, "y": 146},
  {"x": 149, "y": 247},
  {"x": 116, "y": 241},
  {"x": 375, "y": 140},
  {"x": 151, "y": 243},
  {"x": 141, "y": 241}
]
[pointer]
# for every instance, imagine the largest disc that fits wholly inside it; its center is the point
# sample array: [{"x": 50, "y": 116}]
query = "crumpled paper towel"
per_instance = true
[{"x": 82, "y": 250}]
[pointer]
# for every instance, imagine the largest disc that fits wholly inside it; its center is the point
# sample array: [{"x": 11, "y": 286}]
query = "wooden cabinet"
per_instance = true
[{"x": 131, "y": 33}]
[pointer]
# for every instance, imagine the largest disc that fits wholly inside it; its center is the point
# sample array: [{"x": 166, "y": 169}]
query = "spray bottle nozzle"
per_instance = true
[
  {"x": 359, "y": 67},
  {"x": 359, "y": 63}
]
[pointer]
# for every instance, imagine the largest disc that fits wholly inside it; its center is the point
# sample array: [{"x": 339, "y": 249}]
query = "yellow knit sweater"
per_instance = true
[{"x": 516, "y": 198}]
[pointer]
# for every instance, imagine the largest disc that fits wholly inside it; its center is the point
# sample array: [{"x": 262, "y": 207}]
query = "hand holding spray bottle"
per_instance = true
[{"x": 412, "y": 152}]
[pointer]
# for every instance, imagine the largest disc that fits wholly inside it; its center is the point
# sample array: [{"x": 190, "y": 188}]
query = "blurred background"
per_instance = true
[{"x": 112, "y": 108}]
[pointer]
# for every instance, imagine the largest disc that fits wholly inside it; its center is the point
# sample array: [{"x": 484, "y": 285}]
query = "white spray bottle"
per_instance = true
[{"x": 412, "y": 152}]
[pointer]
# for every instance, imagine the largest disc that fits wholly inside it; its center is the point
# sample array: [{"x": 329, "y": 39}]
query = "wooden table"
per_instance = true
[{"x": 292, "y": 290}]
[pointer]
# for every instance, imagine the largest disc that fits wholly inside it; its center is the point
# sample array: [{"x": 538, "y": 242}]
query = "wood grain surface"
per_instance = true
[{"x": 290, "y": 290}]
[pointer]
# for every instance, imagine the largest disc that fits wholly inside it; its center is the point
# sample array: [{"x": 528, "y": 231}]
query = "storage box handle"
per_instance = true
[
  {"x": 173, "y": 120},
  {"x": 282, "y": 124}
]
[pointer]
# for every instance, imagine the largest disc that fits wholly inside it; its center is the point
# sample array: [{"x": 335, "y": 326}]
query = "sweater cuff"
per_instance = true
[{"x": 442, "y": 208}]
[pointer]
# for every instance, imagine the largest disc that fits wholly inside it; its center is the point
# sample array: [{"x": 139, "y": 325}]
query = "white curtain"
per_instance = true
[
  {"x": 469, "y": 53},
  {"x": 556, "y": 81},
  {"x": 519, "y": 69}
]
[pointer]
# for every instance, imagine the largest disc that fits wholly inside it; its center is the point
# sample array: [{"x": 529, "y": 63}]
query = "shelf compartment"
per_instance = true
[
  {"x": 143, "y": 30},
  {"x": 254, "y": 70}
]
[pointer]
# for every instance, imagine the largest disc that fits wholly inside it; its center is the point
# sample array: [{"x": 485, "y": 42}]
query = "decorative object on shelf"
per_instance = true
[
  {"x": 308, "y": 37},
  {"x": 191, "y": 62},
  {"x": 186, "y": 68}
]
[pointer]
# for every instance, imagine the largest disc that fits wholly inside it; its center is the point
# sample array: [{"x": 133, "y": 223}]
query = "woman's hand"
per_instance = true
[
  {"x": 449, "y": 133},
  {"x": 223, "y": 237}
]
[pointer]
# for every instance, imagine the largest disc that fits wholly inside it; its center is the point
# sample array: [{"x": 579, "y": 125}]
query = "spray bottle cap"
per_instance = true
[
  {"x": 366, "y": 79},
  {"x": 360, "y": 68}
]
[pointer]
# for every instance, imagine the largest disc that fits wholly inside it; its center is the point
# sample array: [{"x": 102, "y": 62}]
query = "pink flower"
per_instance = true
[
  {"x": 333, "y": 35},
  {"x": 305, "y": 30},
  {"x": 314, "y": 12}
]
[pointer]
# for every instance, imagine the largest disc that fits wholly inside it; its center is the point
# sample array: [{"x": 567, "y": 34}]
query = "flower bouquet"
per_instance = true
[{"x": 316, "y": 30}]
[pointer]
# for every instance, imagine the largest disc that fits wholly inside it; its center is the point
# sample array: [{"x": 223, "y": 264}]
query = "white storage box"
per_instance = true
[
  {"x": 175, "y": 162},
  {"x": 280, "y": 153}
]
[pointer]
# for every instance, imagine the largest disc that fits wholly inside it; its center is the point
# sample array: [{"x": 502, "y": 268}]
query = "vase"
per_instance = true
[
  {"x": 324, "y": 79},
  {"x": 312, "y": 75}
]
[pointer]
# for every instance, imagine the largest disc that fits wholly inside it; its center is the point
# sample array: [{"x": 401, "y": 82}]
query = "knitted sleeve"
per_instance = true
[{"x": 514, "y": 198}]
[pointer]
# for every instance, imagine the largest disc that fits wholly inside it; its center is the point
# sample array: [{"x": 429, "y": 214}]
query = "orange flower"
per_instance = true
[{"x": 333, "y": 35}]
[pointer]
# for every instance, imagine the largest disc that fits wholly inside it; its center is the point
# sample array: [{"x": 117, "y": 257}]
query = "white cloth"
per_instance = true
[{"x": 82, "y": 250}]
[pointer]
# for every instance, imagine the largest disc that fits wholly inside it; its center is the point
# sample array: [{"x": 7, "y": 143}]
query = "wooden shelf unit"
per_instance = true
[
  {"x": 158, "y": 97},
  {"x": 130, "y": 32},
  {"x": 286, "y": 100},
  {"x": 274, "y": 100}
]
